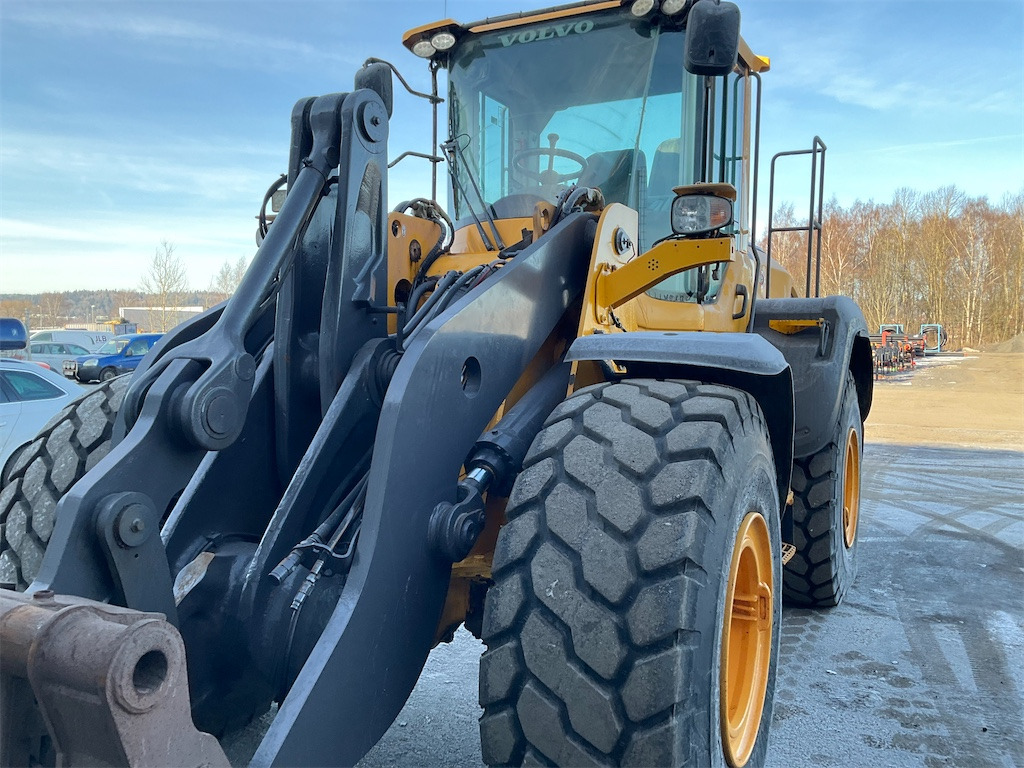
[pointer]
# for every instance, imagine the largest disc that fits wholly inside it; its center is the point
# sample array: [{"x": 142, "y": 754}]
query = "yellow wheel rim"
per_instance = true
[
  {"x": 851, "y": 488},
  {"x": 746, "y": 638}
]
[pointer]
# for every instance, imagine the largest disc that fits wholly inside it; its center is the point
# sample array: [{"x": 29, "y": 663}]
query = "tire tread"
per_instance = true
[
  {"x": 65, "y": 449},
  {"x": 599, "y": 574},
  {"x": 820, "y": 572}
]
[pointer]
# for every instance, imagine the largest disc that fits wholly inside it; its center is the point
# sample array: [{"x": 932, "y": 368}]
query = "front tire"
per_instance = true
[
  {"x": 826, "y": 513},
  {"x": 635, "y": 614},
  {"x": 69, "y": 445},
  {"x": 107, "y": 374}
]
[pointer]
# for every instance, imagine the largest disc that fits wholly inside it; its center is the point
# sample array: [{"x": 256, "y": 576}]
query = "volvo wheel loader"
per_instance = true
[{"x": 580, "y": 413}]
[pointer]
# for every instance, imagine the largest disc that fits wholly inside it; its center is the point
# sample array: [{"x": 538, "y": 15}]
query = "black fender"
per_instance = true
[
  {"x": 820, "y": 356},
  {"x": 744, "y": 361}
]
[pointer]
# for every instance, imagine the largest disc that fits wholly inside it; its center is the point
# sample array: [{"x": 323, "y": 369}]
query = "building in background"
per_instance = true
[{"x": 157, "y": 319}]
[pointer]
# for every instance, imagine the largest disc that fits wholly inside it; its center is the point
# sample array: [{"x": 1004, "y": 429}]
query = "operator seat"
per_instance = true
[
  {"x": 619, "y": 173},
  {"x": 666, "y": 174}
]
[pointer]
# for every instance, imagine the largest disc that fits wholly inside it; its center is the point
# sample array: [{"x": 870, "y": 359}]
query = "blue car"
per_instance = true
[{"x": 119, "y": 355}]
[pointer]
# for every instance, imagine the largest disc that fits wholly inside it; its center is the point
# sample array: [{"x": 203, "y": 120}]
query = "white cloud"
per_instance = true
[
  {"x": 208, "y": 170},
  {"x": 857, "y": 56}
]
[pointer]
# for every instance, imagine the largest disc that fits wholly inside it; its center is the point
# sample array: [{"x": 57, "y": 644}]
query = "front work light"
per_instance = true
[
  {"x": 672, "y": 7},
  {"x": 641, "y": 7},
  {"x": 442, "y": 41},
  {"x": 424, "y": 48},
  {"x": 697, "y": 214}
]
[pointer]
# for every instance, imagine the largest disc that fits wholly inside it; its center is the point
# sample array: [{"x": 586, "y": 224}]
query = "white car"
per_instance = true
[
  {"x": 30, "y": 396},
  {"x": 54, "y": 353}
]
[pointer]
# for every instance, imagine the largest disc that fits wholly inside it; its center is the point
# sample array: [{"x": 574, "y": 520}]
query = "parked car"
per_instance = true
[
  {"x": 54, "y": 353},
  {"x": 119, "y": 355},
  {"x": 52, "y": 348},
  {"x": 29, "y": 396}
]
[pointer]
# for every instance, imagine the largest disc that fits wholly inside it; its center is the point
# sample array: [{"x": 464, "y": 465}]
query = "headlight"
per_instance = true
[
  {"x": 424, "y": 48},
  {"x": 443, "y": 40},
  {"x": 91, "y": 361},
  {"x": 641, "y": 7},
  {"x": 697, "y": 214}
]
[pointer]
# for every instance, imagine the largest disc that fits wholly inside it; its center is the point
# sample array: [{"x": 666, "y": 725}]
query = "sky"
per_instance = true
[{"x": 127, "y": 124}]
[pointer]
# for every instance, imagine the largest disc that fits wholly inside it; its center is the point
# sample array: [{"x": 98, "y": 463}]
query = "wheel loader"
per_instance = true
[{"x": 579, "y": 412}]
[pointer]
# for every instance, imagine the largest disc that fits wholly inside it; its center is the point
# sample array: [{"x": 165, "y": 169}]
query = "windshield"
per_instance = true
[
  {"x": 112, "y": 347},
  {"x": 602, "y": 102}
]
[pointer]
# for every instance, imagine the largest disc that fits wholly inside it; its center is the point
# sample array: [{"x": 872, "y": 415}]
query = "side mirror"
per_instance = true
[
  {"x": 712, "y": 38},
  {"x": 12, "y": 334}
]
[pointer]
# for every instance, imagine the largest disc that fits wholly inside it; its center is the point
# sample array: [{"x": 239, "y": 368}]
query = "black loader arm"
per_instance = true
[
  {"x": 192, "y": 399},
  {"x": 446, "y": 388},
  {"x": 193, "y": 396}
]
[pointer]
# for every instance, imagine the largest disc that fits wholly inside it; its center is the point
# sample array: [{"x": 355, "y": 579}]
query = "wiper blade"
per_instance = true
[{"x": 451, "y": 147}]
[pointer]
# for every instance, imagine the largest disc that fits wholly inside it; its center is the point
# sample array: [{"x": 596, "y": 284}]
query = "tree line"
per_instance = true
[{"x": 933, "y": 257}]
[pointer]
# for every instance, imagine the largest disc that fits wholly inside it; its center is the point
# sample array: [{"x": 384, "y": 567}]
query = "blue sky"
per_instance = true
[{"x": 123, "y": 124}]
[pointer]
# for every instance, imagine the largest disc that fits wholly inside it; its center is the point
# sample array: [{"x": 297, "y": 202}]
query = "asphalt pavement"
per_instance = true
[{"x": 922, "y": 665}]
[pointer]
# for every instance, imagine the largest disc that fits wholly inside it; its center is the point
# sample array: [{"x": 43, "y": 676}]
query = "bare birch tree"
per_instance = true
[{"x": 164, "y": 286}]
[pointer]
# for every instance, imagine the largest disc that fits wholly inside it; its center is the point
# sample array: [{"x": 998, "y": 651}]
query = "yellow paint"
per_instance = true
[
  {"x": 468, "y": 239},
  {"x": 603, "y": 260},
  {"x": 746, "y": 639},
  {"x": 667, "y": 258},
  {"x": 545, "y": 16},
  {"x": 427, "y": 30},
  {"x": 782, "y": 285},
  {"x": 658, "y": 315},
  {"x": 401, "y": 267},
  {"x": 752, "y": 60},
  {"x": 789, "y": 327},
  {"x": 851, "y": 488}
]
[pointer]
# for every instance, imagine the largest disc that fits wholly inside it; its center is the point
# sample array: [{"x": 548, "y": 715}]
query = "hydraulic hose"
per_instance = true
[{"x": 442, "y": 285}]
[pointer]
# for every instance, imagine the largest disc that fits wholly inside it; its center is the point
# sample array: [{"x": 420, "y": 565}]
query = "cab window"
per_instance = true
[{"x": 138, "y": 347}]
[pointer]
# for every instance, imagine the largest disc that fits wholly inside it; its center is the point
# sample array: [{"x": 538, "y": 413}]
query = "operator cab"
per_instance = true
[{"x": 595, "y": 95}]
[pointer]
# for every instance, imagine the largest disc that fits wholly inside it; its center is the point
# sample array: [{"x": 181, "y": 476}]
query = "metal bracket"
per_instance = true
[
  {"x": 127, "y": 526},
  {"x": 110, "y": 683}
]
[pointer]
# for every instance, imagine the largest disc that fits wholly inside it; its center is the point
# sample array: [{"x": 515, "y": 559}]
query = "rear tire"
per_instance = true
[
  {"x": 615, "y": 578},
  {"x": 69, "y": 445},
  {"x": 826, "y": 512}
]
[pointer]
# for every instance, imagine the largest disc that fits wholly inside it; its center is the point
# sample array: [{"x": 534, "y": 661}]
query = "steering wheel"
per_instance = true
[{"x": 549, "y": 177}]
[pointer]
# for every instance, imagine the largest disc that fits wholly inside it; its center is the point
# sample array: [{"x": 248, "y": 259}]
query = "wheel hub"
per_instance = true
[
  {"x": 746, "y": 639},
  {"x": 851, "y": 488}
]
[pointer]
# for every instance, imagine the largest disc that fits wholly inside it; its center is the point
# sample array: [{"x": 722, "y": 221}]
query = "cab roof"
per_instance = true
[{"x": 426, "y": 32}]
